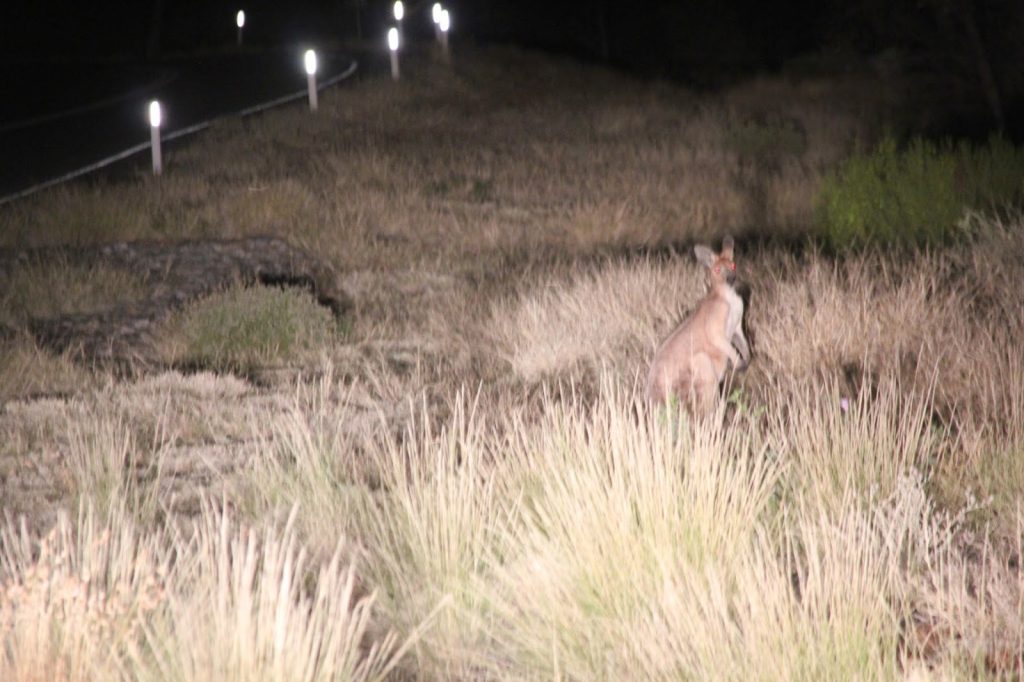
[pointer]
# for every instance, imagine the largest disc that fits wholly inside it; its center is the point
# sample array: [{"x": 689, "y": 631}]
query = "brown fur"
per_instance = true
[{"x": 693, "y": 360}]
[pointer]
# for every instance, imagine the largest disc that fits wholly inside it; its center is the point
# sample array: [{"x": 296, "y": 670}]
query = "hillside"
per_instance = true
[{"x": 457, "y": 477}]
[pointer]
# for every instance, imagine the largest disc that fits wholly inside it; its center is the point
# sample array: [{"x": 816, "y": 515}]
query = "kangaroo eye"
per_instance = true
[
  {"x": 716, "y": 269},
  {"x": 732, "y": 266}
]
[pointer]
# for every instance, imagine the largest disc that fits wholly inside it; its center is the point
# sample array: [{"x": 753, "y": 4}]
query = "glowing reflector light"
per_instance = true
[
  {"x": 435, "y": 12},
  {"x": 240, "y": 18},
  {"x": 393, "y": 39},
  {"x": 445, "y": 21},
  {"x": 154, "y": 137},
  {"x": 154, "y": 114},
  {"x": 310, "y": 59},
  {"x": 399, "y": 10}
]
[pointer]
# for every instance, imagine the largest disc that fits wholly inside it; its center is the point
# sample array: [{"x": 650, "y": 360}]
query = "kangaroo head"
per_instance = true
[{"x": 721, "y": 267}]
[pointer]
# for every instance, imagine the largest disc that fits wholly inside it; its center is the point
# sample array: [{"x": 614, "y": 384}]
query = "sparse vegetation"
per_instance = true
[
  {"x": 247, "y": 327},
  {"x": 51, "y": 289},
  {"x": 917, "y": 195},
  {"x": 466, "y": 484},
  {"x": 26, "y": 370},
  {"x": 100, "y": 599}
]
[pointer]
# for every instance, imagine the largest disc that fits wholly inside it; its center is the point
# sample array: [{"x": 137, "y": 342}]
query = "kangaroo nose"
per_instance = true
[{"x": 730, "y": 276}]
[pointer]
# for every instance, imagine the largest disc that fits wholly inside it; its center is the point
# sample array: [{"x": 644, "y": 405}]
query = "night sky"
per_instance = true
[{"x": 696, "y": 42}]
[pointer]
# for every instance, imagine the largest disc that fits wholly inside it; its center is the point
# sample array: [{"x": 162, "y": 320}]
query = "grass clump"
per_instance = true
[
  {"x": 241, "y": 328},
  {"x": 100, "y": 598},
  {"x": 111, "y": 471},
  {"x": 75, "y": 602},
  {"x": 26, "y": 370},
  {"x": 44, "y": 290},
  {"x": 916, "y": 194}
]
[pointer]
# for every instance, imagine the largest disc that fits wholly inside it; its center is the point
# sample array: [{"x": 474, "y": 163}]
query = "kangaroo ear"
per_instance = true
[
  {"x": 704, "y": 255},
  {"x": 727, "y": 246}
]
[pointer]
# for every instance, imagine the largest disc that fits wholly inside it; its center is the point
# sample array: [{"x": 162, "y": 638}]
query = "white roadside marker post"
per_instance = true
[
  {"x": 435, "y": 16},
  {"x": 310, "y": 60},
  {"x": 398, "y": 9},
  {"x": 444, "y": 24},
  {"x": 393, "y": 47},
  {"x": 154, "y": 136},
  {"x": 240, "y": 22}
]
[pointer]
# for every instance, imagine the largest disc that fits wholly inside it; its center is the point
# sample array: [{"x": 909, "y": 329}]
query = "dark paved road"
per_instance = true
[{"x": 56, "y": 120}]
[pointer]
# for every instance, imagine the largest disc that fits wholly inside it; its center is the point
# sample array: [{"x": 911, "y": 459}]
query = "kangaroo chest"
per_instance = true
[{"x": 735, "y": 316}]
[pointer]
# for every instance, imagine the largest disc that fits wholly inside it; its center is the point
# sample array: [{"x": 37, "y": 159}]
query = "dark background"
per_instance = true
[{"x": 968, "y": 53}]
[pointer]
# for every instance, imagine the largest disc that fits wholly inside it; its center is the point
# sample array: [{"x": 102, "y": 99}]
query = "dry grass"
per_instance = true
[
  {"x": 465, "y": 485},
  {"x": 26, "y": 370},
  {"x": 510, "y": 152},
  {"x": 577, "y": 541},
  {"x": 104, "y": 599},
  {"x": 51, "y": 289},
  {"x": 593, "y": 317}
]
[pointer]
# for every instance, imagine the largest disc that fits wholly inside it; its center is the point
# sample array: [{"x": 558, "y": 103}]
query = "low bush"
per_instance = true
[
  {"x": 242, "y": 328},
  {"x": 916, "y": 194}
]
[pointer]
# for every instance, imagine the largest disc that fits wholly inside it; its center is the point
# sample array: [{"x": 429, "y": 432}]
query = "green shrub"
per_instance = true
[
  {"x": 995, "y": 173},
  {"x": 243, "y": 328},
  {"x": 916, "y": 195}
]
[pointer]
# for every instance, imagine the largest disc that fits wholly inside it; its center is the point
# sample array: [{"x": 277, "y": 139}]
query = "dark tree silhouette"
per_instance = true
[{"x": 156, "y": 25}]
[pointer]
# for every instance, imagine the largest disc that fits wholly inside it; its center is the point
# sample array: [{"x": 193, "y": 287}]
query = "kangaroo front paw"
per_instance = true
[
  {"x": 734, "y": 366},
  {"x": 742, "y": 365}
]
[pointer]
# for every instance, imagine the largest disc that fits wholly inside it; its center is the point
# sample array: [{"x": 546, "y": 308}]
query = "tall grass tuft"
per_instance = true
[
  {"x": 111, "y": 472},
  {"x": 75, "y": 603},
  {"x": 249, "y": 606},
  {"x": 102, "y": 599},
  {"x": 26, "y": 370},
  {"x": 595, "y": 317},
  {"x": 431, "y": 527},
  {"x": 607, "y": 514},
  {"x": 853, "y": 449},
  {"x": 310, "y": 454}
]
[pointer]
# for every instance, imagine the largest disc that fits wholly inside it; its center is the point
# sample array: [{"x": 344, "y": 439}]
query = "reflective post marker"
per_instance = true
[
  {"x": 393, "y": 47},
  {"x": 310, "y": 60},
  {"x": 155, "y": 116},
  {"x": 444, "y": 24},
  {"x": 435, "y": 16}
]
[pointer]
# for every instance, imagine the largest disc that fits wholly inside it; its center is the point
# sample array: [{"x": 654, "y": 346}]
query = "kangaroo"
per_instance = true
[{"x": 693, "y": 360}]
